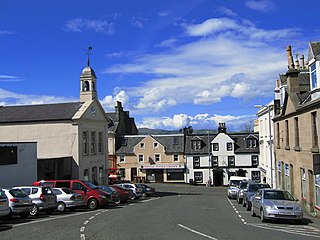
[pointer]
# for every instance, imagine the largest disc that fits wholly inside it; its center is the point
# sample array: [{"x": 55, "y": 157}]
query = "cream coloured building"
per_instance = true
[
  {"x": 71, "y": 137},
  {"x": 154, "y": 158}
]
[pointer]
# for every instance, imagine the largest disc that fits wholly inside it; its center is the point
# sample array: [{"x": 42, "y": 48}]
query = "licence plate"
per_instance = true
[
  {"x": 286, "y": 213},
  {"x": 2, "y": 203}
]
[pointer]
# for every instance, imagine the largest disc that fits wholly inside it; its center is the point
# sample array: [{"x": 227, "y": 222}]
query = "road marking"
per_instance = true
[
  {"x": 284, "y": 230},
  {"x": 86, "y": 222},
  {"x": 50, "y": 219},
  {"x": 196, "y": 232},
  {"x": 82, "y": 237},
  {"x": 82, "y": 229}
]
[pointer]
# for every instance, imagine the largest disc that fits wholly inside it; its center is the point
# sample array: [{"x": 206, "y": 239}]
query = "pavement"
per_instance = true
[{"x": 311, "y": 220}]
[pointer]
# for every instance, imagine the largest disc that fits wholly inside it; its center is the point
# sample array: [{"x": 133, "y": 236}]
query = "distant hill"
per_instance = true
[{"x": 148, "y": 131}]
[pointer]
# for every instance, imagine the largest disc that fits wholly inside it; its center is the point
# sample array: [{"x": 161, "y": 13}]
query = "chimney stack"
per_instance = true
[
  {"x": 222, "y": 128},
  {"x": 290, "y": 58},
  {"x": 302, "y": 62}
]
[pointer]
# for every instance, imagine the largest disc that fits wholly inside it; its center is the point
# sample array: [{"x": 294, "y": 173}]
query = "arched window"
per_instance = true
[
  {"x": 86, "y": 86},
  {"x": 93, "y": 87}
]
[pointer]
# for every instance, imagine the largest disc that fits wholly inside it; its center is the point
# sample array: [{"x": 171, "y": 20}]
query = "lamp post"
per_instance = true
[
  {"x": 209, "y": 180},
  {"x": 270, "y": 140}
]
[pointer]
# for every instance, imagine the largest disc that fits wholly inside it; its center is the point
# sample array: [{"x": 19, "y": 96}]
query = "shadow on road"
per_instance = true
[
  {"x": 167, "y": 194},
  {"x": 4, "y": 227}
]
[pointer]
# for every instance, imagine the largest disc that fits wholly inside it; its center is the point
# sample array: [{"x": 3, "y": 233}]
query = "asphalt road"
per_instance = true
[{"x": 179, "y": 212}]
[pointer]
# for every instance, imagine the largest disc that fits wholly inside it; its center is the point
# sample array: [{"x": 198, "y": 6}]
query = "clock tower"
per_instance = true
[{"x": 88, "y": 86}]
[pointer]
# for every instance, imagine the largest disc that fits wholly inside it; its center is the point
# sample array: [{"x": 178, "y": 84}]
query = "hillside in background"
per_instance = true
[{"x": 147, "y": 131}]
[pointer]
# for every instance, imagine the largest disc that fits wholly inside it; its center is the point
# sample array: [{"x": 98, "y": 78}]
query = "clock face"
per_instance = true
[{"x": 93, "y": 111}]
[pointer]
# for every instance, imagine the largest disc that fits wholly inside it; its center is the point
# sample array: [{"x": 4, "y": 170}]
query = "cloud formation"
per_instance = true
[
  {"x": 262, "y": 6},
  {"x": 89, "y": 25}
]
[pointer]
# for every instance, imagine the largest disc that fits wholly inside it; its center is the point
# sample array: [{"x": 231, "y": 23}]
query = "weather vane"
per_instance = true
[{"x": 88, "y": 51}]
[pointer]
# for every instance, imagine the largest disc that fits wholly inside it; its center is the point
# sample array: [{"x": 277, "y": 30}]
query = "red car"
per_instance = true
[{"x": 125, "y": 194}]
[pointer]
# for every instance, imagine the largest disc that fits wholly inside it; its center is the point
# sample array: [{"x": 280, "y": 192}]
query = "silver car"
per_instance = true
[
  {"x": 4, "y": 204},
  {"x": 276, "y": 204},
  {"x": 134, "y": 187},
  {"x": 68, "y": 199},
  {"x": 43, "y": 198},
  {"x": 19, "y": 202}
]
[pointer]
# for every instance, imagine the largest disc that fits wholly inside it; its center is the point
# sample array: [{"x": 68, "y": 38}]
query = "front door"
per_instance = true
[
  {"x": 133, "y": 173},
  {"x": 159, "y": 175}
]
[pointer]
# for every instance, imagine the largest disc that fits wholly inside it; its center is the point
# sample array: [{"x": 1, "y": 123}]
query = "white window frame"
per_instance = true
[
  {"x": 175, "y": 157},
  {"x": 155, "y": 145},
  {"x": 142, "y": 145},
  {"x": 93, "y": 142},
  {"x": 157, "y": 157},
  {"x": 122, "y": 159},
  {"x": 85, "y": 142},
  {"x": 228, "y": 146},
  {"x": 100, "y": 142},
  {"x": 140, "y": 158},
  {"x": 303, "y": 183}
]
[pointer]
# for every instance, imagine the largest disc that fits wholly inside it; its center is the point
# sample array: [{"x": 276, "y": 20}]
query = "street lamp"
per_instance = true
[
  {"x": 209, "y": 180},
  {"x": 270, "y": 140}
]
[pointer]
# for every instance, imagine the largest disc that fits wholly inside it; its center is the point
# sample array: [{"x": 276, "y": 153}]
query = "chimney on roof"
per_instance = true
[
  {"x": 119, "y": 109},
  {"x": 297, "y": 62},
  {"x": 222, "y": 128},
  {"x": 290, "y": 58},
  {"x": 303, "y": 66}
]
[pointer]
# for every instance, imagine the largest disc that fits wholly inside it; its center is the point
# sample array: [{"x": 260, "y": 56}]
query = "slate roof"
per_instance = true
[
  {"x": 314, "y": 51},
  {"x": 112, "y": 115},
  {"x": 166, "y": 140},
  {"x": 240, "y": 141},
  {"x": 36, "y": 113}
]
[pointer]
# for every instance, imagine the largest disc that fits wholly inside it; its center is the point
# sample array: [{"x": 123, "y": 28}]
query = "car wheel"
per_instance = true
[
  {"x": 248, "y": 206},
  {"x": 92, "y": 204},
  {"x": 144, "y": 195},
  {"x": 61, "y": 207},
  {"x": 244, "y": 203},
  {"x": 117, "y": 201},
  {"x": 262, "y": 218},
  {"x": 35, "y": 210},
  {"x": 132, "y": 197},
  {"x": 253, "y": 214},
  {"x": 24, "y": 215}
]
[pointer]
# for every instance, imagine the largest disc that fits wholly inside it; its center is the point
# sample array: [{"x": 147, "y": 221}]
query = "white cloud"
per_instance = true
[
  {"x": 8, "y": 78},
  {"x": 263, "y": 6},
  {"x": 11, "y": 98},
  {"x": 138, "y": 21},
  {"x": 163, "y": 14},
  {"x": 108, "y": 102},
  {"x": 4, "y": 32},
  {"x": 227, "y": 11},
  {"x": 84, "y": 25},
  {"x": 232, "y": 59},
  {"x": 199, "y": 121}
]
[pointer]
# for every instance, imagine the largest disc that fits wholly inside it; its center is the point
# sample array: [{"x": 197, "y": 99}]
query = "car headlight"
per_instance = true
[
  {"x": 270, "y": 207},
  {"x": 102, "y": 196},
  {"x": 298, "y": 208}
]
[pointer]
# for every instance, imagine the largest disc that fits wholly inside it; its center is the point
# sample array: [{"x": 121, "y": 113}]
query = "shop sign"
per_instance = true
[{"x": 163, "y": 166}]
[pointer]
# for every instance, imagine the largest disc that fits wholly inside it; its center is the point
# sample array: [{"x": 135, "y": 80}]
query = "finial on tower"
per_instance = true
[{"x": 88, "y": 54}]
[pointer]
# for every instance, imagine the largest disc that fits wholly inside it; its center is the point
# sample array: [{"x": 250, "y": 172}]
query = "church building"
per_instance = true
[{"x": 71, "y": 137}]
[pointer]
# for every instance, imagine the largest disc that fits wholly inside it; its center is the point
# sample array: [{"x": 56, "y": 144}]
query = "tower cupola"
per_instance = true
[{"x": 88, "y": 80}]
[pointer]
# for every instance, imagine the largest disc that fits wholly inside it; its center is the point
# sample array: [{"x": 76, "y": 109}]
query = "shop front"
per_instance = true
[{"x": 164, "y": 172}]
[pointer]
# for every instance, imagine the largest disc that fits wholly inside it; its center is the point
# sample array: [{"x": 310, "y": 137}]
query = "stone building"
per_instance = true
[
  {"x": 71, "y": 137},
  {"x": 297, "y": 129}
]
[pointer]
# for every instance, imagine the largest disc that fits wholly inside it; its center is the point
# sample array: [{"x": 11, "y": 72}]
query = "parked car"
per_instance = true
[
  {"x": 19, "y": 202},
  {"x": 125, "y": 193},
  {"x": 4, "y": 204},
  {"x": 67, "y": 199},
  {"x": 114, "y": 194},
  {"x": 242, "y": 188},
  {"x": 251, "y": 189},
  {"x": 276, "y": 204},
  {"x": 137, "y": 191},
  {"x": 93, "y": 197},
  {"x": 146, "y": 189},
  {"x": 234, "y": 182},
  {"x": 43, "y": 198}
]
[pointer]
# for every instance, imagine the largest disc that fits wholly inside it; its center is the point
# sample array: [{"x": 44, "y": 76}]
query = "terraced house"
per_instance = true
[
  {"x": 153, "y": 158},
  {"x": 222, "y": 155},
  {"x": 297, "y": 129}
]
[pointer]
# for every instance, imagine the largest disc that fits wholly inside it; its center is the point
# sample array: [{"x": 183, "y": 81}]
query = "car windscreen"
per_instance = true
[
  {"x": 243, "y": 185},
  {"x": 234, "y": 183},
  {"x": 17, "y": 193},
  {"x": 2, "y": 194},
  {"x": 47, "y": 190},
  {"x": 278, "y": 195},
  {"x": 255, "y": 187},
  {"x": 90, "y": 185},
  {"x": 68, "y": 191}
]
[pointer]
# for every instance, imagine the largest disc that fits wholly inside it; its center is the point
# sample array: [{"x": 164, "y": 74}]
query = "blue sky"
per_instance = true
[{"x": 172, "y": 63}]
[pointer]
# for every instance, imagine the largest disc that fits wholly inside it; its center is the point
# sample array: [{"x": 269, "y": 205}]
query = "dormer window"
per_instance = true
[
  {"x": 196, "y": 144},
  {"x": 251, "y": 143},
  {"x": 313, "y": 76}
]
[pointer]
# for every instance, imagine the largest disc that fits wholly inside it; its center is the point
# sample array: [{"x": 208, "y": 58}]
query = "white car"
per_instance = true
[
  {"x": 134, "y": 187},
  {"x": 4, "y": 204},
  {"x": 68, "y": 199}
]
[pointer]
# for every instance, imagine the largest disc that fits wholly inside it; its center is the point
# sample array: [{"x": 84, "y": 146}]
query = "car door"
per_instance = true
[{"x": 256, "y": 201}]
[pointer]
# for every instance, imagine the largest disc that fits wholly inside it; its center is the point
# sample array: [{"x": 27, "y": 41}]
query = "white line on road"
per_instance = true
[
  {"x": 196, "y": 232},
  {"x": 82, "y": 229},
  {"x": 50, "y": 219}
]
